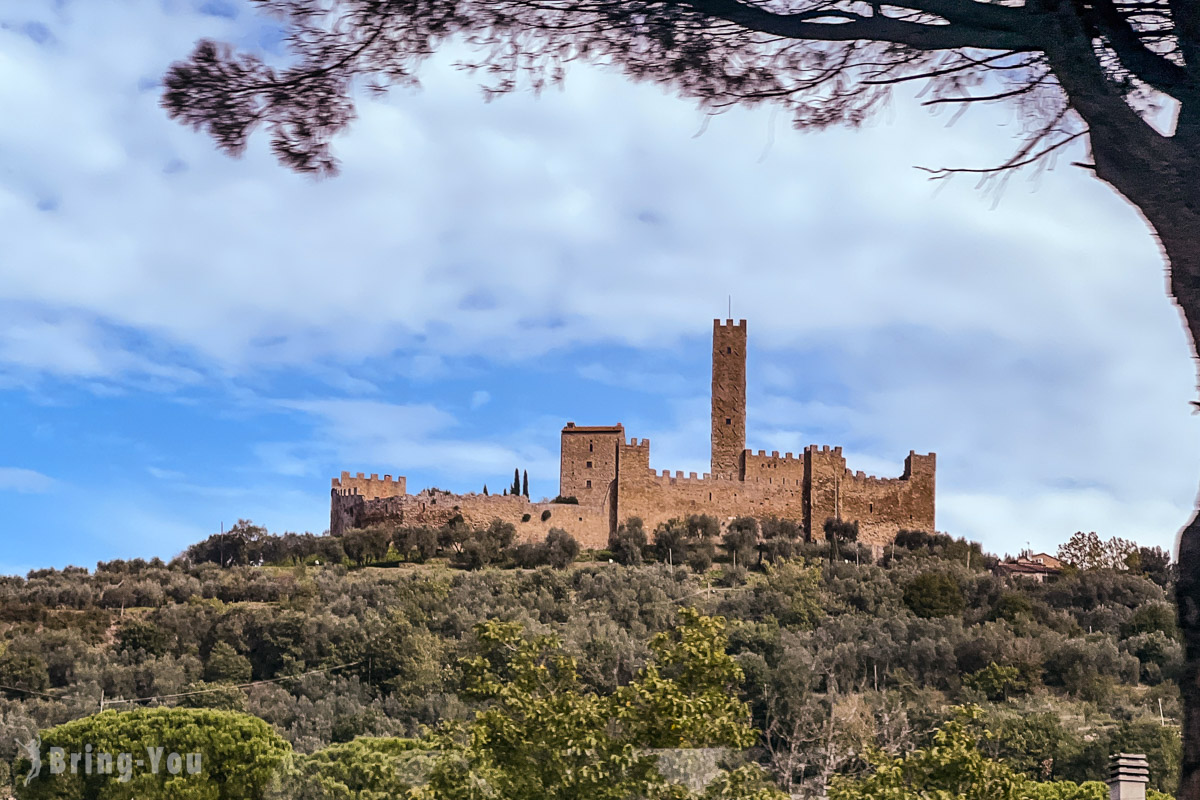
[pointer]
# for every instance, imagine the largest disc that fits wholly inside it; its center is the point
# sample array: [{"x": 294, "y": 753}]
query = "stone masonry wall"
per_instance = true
[
  {"x": 588, "y": 464},
  {"x": 728, "y": 397},
  {"x": 371, "y": 487},
  {"x": 588, "y": 524},
  {"x": 808, "y": 488}
]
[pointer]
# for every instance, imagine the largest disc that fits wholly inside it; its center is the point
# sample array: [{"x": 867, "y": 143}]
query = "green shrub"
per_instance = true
[
  {"x": 934, "y": 594},
  {"x": 238, "y": 756}
]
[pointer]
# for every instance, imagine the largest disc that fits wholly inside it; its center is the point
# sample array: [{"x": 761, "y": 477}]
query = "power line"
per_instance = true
[
  {"x": 29, "y": 691},
  {"x": 196, "y": 692},
  {"x": 237, "y": 686}
]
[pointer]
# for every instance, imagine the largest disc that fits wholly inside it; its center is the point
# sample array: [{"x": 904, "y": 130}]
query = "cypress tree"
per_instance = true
[
  {"x": 485, "y": 490},
  {"x": 516, "y": 487},
  {"x": 525, "y": 490}
]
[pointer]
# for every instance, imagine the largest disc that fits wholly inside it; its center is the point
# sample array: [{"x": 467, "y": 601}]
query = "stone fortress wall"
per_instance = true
[{"x": 611, "y": 478}]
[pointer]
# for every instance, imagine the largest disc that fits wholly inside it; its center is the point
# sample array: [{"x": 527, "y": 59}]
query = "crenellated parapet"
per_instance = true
[{"x": 371, "y": 488}]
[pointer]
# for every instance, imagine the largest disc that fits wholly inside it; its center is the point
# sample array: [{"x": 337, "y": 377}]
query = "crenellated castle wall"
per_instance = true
[
  {"x": 588, "y": 524},
  {"x": 810, "y": 488}
]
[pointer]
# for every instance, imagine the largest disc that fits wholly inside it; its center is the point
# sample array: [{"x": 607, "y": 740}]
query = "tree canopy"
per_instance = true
[{"x": 238, "y": 756}]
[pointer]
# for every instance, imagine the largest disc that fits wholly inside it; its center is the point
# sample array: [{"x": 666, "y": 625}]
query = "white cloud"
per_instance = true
[
  {"x": 26, "y": 481},
  {"x": 1029, "y": 345},
  {"x": 373, "y": 436},
  {"x": 480, "y": 398}
]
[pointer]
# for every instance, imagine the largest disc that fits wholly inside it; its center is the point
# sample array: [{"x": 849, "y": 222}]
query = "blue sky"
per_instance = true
[{"x": 187, "y": 339}]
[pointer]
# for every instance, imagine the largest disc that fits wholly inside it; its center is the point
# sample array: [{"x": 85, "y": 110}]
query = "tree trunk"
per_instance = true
[
  {"x": 1184, "y": 259},
  {"x": 1177, "y": 223},
  {"x": 1162, "y": 180}
]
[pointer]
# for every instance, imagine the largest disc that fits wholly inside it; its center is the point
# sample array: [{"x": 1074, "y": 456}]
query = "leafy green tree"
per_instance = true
[
  {"x": 417, "y": 544},
  {"x": 23, "y": 671},
  {"x": 934, "y": 594},
  {"x": 487, "y": 546},
  {"x": 951, "y": 767},
  {"x": 741, "y": 540},
  {"x": 1152, "y": 617},
  {"x": 1089, "y": 551},
  {"x": 202, "y": 694},
  {"x": 141, "y": 635},
  {"x": 839, "y": 532},
  {"x": 1012, "y": 607},
  {"x": 226, "y": 665},
  {"x": 542, "y": 735},
  {"x": 955, "y": 766},
  {"x": 671, "y": 541},
  {"x": 366, "y": 545},
  {"x": 1159, "y": 743},
  {"x": 363, "y": 769},
  {"x": 1155, "y": 564},
  {"x": 779, "y": 538},
  {"x": 561, "y": 548},
  {"x": 997, "y": 682},
  {"x": 239, "y": 755},
  {"x": 629, "y": 542},
  {"x": 1031, "y": 743},
  {"x": 792, "y": 594}
]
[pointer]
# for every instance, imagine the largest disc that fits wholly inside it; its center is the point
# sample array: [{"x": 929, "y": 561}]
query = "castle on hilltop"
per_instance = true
[{"x": 611, "y": 478}]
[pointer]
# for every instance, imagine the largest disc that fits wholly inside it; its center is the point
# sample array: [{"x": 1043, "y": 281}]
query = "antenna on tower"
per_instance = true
[{"x": 730, "y": 315}]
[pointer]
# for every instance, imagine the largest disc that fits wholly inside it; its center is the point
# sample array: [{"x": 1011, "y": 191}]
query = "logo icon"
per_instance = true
[{"x": 33, "y": 751}]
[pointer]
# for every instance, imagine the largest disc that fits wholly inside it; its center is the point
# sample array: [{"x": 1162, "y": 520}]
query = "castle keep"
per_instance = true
[{"x": 611, "y": 478}]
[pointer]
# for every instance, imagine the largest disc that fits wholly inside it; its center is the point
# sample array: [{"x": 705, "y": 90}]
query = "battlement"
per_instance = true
[
  {"x": 861, "y": 477},
  {"x": 925, "y": 465},
  {"x": 774, "y": 456},
  {"x": 633, "y": 443},
  {"x": 741, "y": 323},
  {"x": 667, "y": 478},
  {"x": 370, "y": 488}
]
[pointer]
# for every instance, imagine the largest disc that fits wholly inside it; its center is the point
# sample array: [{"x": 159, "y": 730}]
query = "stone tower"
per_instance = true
[{"x": 728, "y": 398}]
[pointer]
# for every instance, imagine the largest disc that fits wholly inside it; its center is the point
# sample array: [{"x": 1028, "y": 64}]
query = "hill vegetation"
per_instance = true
[{"x": 843, "y": 664}]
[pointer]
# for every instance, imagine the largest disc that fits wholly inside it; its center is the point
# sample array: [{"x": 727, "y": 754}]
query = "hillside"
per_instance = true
[{"x": 837, "y": 655}]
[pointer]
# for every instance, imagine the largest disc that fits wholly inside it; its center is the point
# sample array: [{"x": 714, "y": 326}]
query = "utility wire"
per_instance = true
[
  {"x": 198, "y": 691},
  {"x": 226, "y": 688},
  {"x": 28, "y": 691}
]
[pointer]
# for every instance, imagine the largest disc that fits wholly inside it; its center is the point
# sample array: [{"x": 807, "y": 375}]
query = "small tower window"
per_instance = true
[
  {"x": 728, "y": 349},
  {"x": 871, "y": 507},
  {"x": 589, "y": 465},
  {"x": 590, "y": 447},
  {"x": 728, "y": 420},
  {"x": 589, "y": 484}
]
